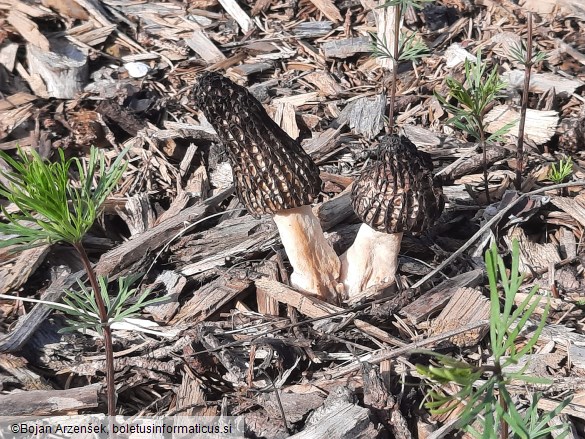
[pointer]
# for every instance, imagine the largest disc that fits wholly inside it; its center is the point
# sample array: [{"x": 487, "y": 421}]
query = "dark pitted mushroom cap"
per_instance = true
[
  {"x": 272, "y": 171},
  {"x": 397, "y": 193}
]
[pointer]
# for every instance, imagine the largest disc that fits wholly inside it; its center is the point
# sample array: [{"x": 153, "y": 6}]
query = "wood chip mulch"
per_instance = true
[{"x": 233, "y": 337}]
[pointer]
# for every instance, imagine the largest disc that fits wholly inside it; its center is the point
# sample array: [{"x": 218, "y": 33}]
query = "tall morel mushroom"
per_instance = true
[
  {"x": 395, "y": 194},
  {"x": 273, "y": 175}
]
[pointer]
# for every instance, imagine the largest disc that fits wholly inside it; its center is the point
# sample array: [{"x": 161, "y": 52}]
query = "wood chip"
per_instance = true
[
  {"x": 238, "y": 14},
  {"x": 63, "y": 70},
  {"x": 285, "y": 117},
  {"x": 204, "y": 47},
  {"x": 8, "y": 55},
  {"x": 436, "y": 298},
  {"x": 466, "y": 306},
  {"x": 540, "y": 125},
  {"x": 209, "y": 299},
  {"x": 329, "y": 9},
  {"x": 346, "y": 48},
  {"x": 29, "y": 30},
  {"x": 50, "y": 402},
  {"x": 365, "y": 115},
  {"x": 339, "y": 417},
  {"x": 542, "y": 82},
  {"x": 17, "y": 272},
  {"x": 573, "y": 206},
  {"x": 533, "y": 256},
  {"x": 305, "y": 304}
]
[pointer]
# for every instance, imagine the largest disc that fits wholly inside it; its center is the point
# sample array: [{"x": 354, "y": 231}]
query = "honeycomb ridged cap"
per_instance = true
[
  {"x": 397, "y": 193},
  {"x": 271, "y": 170}
]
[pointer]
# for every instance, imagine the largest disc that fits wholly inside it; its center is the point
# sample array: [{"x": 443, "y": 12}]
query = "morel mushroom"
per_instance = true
[
  {"x": 394, "y": 195},
  {"x": 273, "y": 175}
]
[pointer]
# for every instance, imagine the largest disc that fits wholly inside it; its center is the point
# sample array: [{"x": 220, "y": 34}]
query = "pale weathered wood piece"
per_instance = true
[
  {"x": 251, "y": 68},
  {"x": 564, "y": 7},
  {"x": 28, "y": 29},
  {"x": 385, "y": 31},
  {"x": 8, "y": 55},
  {"x": 174, "y": 284},
  {"x": 295, "y": 405},
  {"x": 267, "y": 305},
  {"x": 467, "y": 305},
  {"x": 347, "y": 47},
  {"x": 533, "y": 256},
  {"x": 236, "y": 236},
  {"x": 16, "y": 100},
  {"x": 573, "y": 206},
  {"x": 323, "y": 143},
  {"x": 305, "y": 304},
  {"x": 365, "y": 115},
  {"x": 63, "y": 68},
  {"x": 541, "y": 82},
  {"x": 49, "y": 402},
  {"x": 204, "y": 47},
  {"x": 339, "y": 417},
  {"x": 436, "y": 298},
  {"x": 14, "y": 274},
  {"x": 540, "y": 125},
  {"x": 208, "y": 299},
  {"x": 10, "y": 119},
  {"x": 137, "y": 214},
  {"x": 238, "y": 14},
  {"x": 329, "y": 9},
  {"x": 191, "y": 399}
]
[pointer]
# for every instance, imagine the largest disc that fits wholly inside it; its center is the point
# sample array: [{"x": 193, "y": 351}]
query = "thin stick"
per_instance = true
[
  {"x": 395, "y": 55},
  {"x": 523, "y": 109}
]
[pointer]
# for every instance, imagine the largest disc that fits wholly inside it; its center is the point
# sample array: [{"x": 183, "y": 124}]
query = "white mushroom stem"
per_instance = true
[
  {"x": 372, "y": 260},
  {"x": 316, "y": 266}
]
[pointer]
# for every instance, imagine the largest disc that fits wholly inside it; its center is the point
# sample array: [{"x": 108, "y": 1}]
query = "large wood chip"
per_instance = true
[
  {"x": 238, "y": 14},
  {"x": 10, "y": 119},
  {"x": 533, "y": 256},
  {"x": 305, "y": 304},
  {"x": 573, "y": 206},
  {"x": 50, "y": 402},
  {"x": 542, "y": 82},
  {"x": 204, "y": 47},
  {"x": 466, "y": 306},
  {"x": 365, "y": 115},
  {"x": 347, "y": 47},
  {"x": 14, "y": 275},
  {"x": 540, "y": 125},
  {"x": 28, "y": 29},
  {"x": 329, "y": 9},
  {"x": 339, "y": 417},
  {"x": 436, "y": 298},
  {"x": 209, "y": 299}
]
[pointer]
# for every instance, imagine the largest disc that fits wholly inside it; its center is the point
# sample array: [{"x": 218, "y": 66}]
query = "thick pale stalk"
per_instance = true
[
  {"x": 316, "y": 266},
  {"x": 371, "y": 260}
]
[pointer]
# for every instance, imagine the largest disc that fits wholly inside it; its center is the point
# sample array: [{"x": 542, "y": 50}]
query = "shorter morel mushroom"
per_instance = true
[
  {"x": 395, "y": 194},
  {"x": 273, "y": 175}
]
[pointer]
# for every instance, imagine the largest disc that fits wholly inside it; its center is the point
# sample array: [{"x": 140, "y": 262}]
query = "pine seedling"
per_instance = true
[
  {"x": 53, "y": 208},
  {"x": 558, "y": 172},
  {"x": 410, "y": 47},
  {"x": 474, "y": 97},
  {"x": 523, "y": 55},
  {"x": 483, "y": 390},
  {"x": 404, "y": 48}
]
